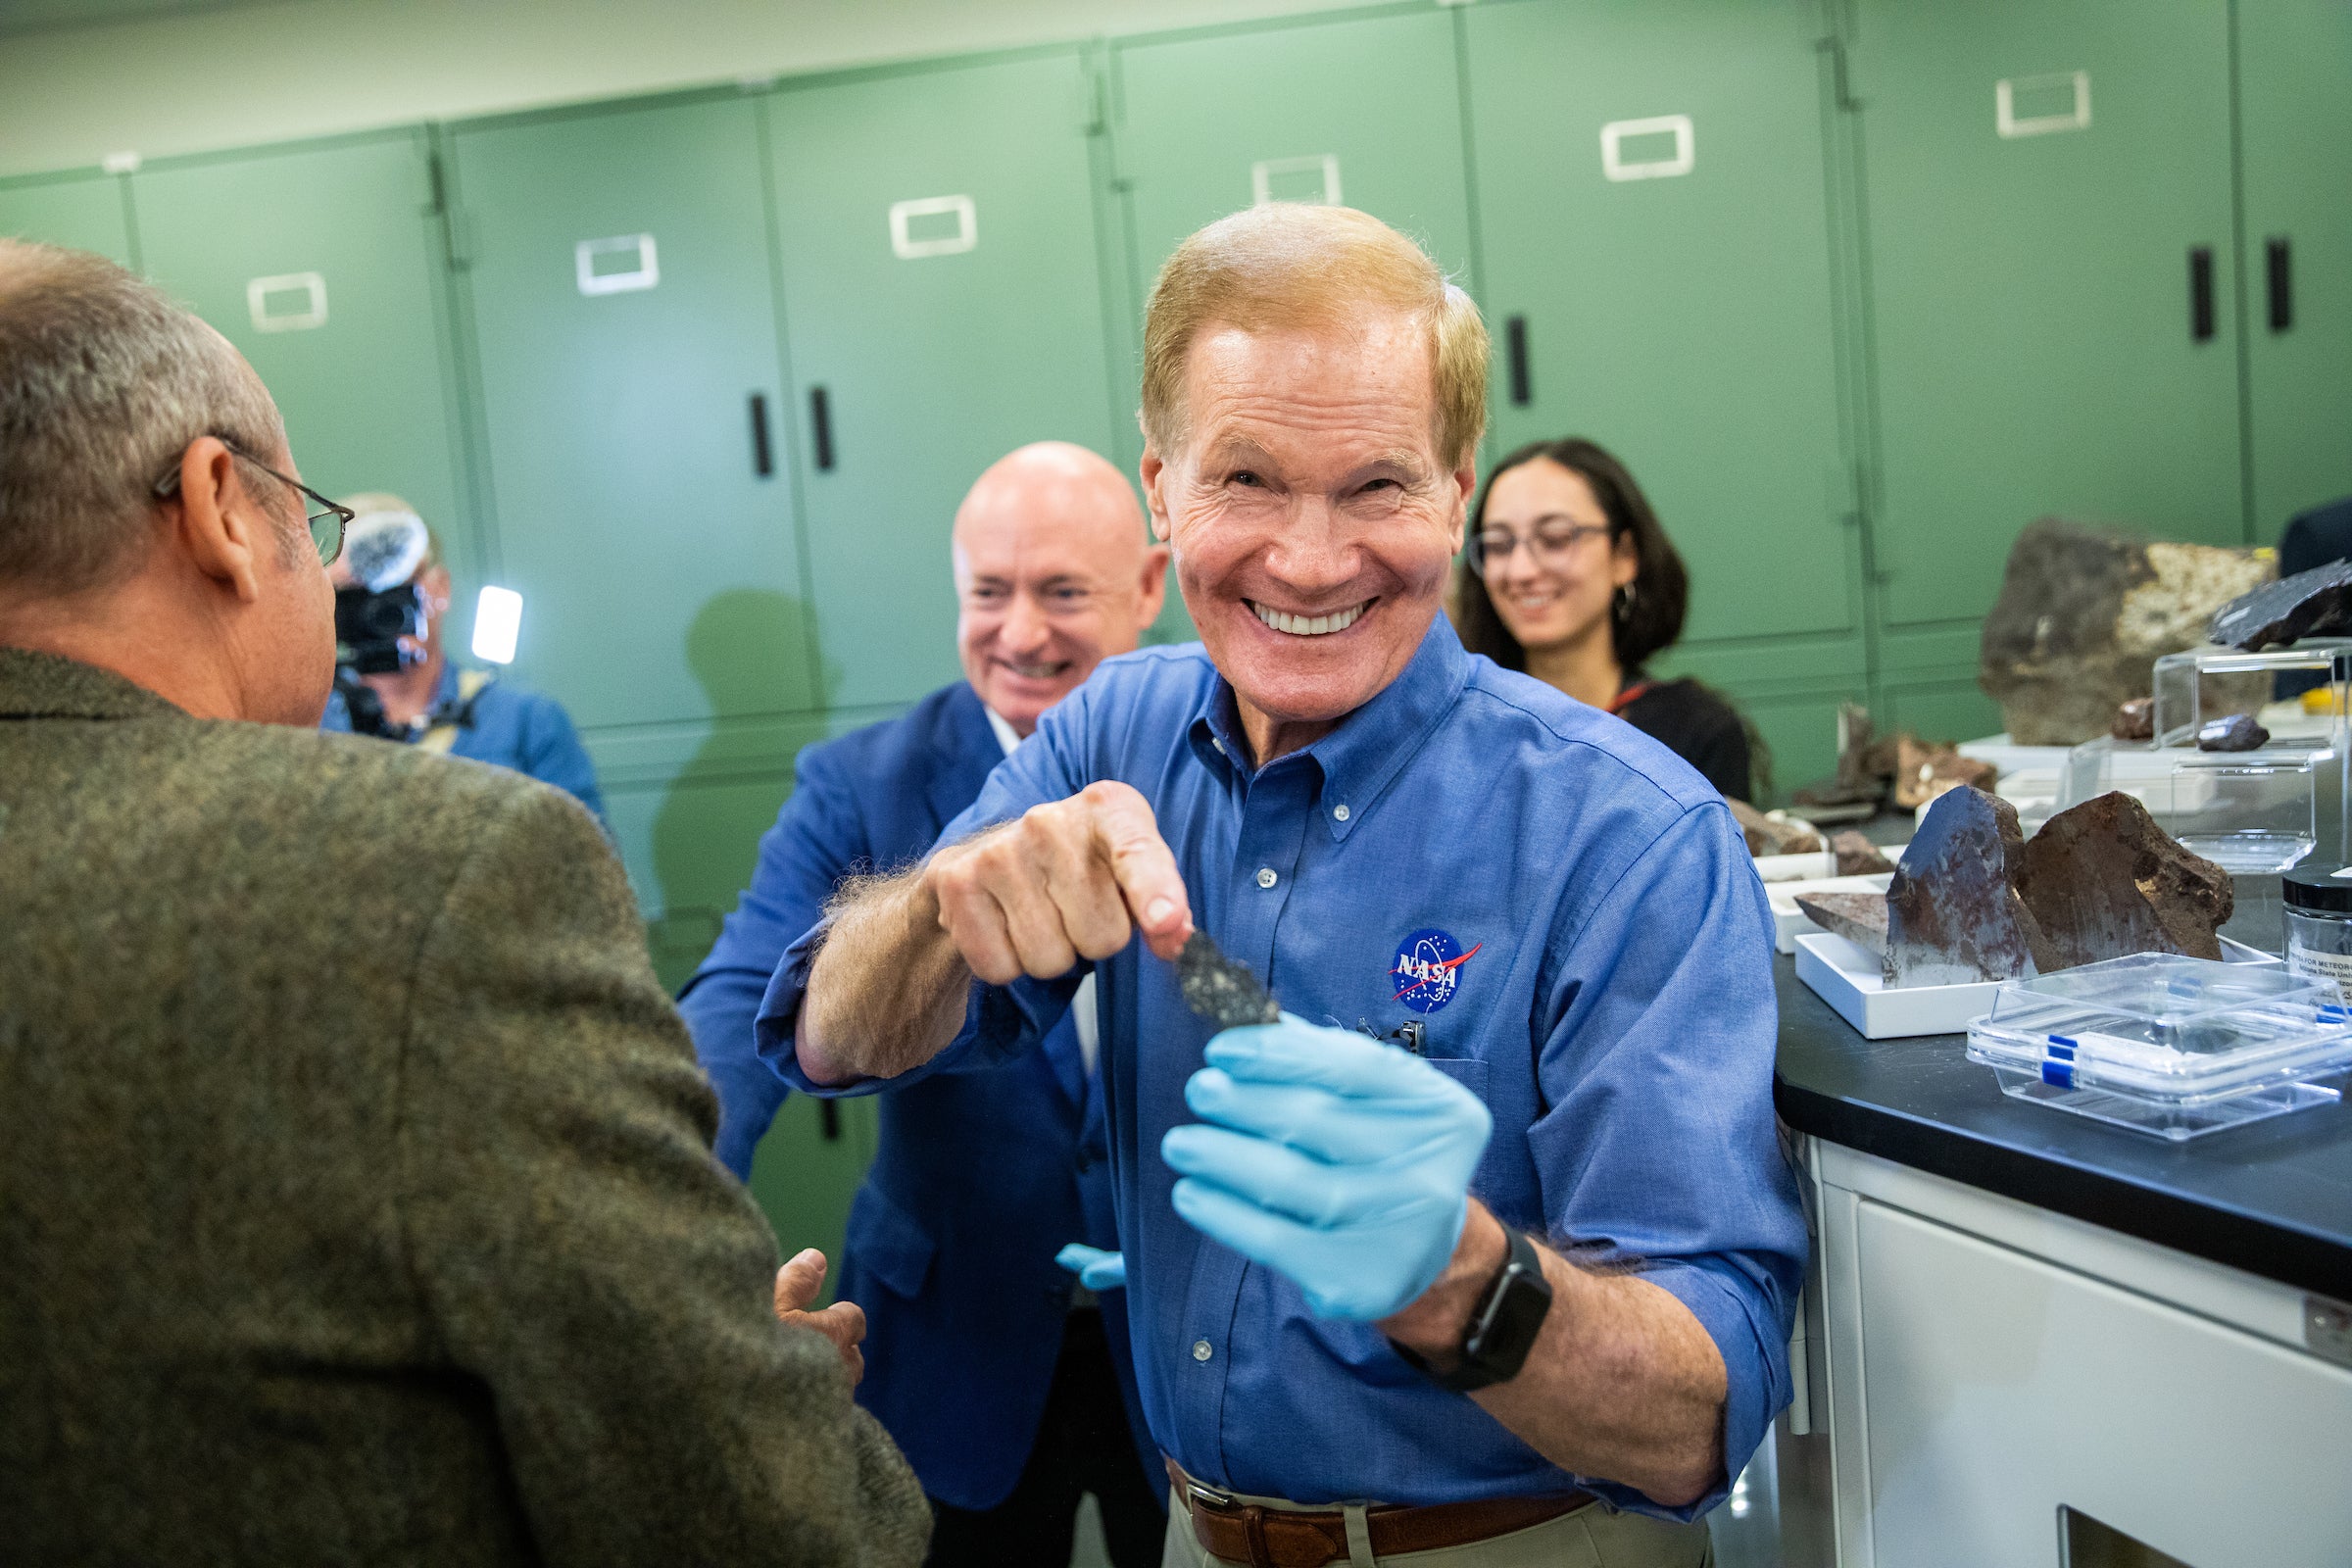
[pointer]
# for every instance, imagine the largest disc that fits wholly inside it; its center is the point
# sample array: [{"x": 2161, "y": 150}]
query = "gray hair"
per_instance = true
[{"x": 104, "y": 381}]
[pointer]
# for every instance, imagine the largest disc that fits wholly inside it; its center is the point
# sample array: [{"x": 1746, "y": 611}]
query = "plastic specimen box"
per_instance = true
[
  {"x": 2167, "y": 1044},
  {"x": 2250, "y": 813}
]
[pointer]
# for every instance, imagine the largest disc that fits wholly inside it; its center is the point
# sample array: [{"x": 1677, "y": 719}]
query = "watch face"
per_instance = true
[{"x": 1513, "y": 1315}]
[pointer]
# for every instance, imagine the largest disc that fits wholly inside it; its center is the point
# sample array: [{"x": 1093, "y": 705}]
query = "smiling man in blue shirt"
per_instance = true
[{"x": 1521, "y": 1284}]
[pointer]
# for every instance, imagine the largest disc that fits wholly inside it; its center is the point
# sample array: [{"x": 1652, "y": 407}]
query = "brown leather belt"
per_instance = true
[{"x": 1280, "y": 1537}]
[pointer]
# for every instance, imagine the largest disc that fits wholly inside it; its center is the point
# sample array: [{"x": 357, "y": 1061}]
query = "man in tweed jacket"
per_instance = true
[{"x": 356, "y": 1197}]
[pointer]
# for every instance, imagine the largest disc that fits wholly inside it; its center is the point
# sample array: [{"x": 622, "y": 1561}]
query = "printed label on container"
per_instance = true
[{"x": 2319, "y": 965}]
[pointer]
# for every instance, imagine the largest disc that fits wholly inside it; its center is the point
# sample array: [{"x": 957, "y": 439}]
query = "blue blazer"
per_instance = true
[{"x": 981, "y": 1176}]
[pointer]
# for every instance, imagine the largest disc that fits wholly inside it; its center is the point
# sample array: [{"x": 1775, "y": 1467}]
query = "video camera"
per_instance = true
[
  {"x": 379, "y": 633},
  {"x": 380, "y": 618}
]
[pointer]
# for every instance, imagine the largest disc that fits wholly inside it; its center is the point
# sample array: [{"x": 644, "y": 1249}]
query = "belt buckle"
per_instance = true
[{"x": 1207, "y": 1497}]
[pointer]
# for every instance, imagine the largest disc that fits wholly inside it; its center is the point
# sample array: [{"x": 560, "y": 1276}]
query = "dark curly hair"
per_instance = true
[{"x": 1641, "y": 627}]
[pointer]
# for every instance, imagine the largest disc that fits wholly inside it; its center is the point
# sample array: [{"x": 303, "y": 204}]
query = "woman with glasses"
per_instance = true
[{"x": 1568, "y": 577}]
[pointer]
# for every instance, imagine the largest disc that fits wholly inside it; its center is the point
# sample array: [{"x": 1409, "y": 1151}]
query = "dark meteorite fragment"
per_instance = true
[
  {"x": 2278, "y": 614},
  {"x": 2134, "y": 721},
  {"x": 1952, "y": 916},
  {"x": 1219, "y": 989},
  {"x": 2236, "y": 733},
  {"x": 2103, "y": 880}
]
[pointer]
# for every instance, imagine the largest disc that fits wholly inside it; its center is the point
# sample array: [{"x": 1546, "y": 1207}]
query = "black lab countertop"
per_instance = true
[{"x": 2274, "y": 1198}]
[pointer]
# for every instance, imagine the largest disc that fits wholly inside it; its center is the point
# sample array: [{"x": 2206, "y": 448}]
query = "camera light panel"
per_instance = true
[{"x": 497, "y": 623}]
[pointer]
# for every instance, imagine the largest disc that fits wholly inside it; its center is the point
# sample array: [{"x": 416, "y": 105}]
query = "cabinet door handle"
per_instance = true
[
  {"x": 821, "y": 425},
  {"x": 2200, "y": 293},
  {"x": 828, "y": 1119},
  {"x": 1514, "y": 332},
  {"x": 2279, "y": 264},
  {"x": 763, "y": 460}
]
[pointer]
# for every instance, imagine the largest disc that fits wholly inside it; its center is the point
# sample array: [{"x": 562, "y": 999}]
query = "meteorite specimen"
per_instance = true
[
  {"x": 1859, "y": 917},
  {"x": 2084, "y": 612},
  {"x": 1773, "y": 834},
  {"x": 2236, "y": 733},
  {"x": 2280, "y": 613},
  {"x": 1220, "y": 989},
  {"x": 2103, "y": 880},
  {"x": 1857, "y": 856},
  {"x": 2134, "y": 721},
  {"x": 1952, "y": 915},
  {"x": 1923, "y": 772}
]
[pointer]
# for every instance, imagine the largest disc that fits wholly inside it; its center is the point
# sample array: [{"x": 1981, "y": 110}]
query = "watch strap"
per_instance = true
[{"x": 1502, "y": 1327}]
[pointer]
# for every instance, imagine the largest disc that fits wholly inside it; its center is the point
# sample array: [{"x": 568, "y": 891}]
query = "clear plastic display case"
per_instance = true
[
  {"x": 2167, "y": 1044},
  {"x": 2250, "y": 813}
]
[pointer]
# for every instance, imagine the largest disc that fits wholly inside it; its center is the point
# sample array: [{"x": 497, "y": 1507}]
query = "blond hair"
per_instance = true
[{"x": 1288, "y": 266}]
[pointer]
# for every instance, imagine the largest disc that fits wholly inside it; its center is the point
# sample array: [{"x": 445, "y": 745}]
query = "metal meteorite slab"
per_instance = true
[{"x": 1220, "y": 989}]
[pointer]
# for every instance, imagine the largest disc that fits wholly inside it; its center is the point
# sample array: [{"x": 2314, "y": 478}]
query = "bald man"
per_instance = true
[{"x": 1010, "y": 1392}]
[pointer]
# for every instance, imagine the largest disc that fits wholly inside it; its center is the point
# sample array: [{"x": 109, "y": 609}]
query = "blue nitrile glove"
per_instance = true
[
  {"x": 1341, "y": 1161},
  {"x": 1096, "y": 1269}
]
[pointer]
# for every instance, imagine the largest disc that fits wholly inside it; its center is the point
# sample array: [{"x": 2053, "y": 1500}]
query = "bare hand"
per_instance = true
[
  {"x": 1072, "y": 879},
  {"x": 844, "y": 1322}
]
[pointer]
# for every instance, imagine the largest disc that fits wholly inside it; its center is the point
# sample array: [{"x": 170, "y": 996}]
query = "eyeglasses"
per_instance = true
[
  {"x": 327, "y": 524},
  {"x": 1549, "y": 542}
]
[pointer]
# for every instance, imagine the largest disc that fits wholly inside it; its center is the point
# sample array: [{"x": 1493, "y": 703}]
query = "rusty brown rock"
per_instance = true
[
  {"x": 1952, "y": 915},
  {"x": 1922, "y": 772},
  {"x": 2134, "y": 721},
  {"x": 1857, "y": 856},
  {"x": 1859, "y": 917},
  {"x": 1769, "y": 835},
  {"x": 2103, "y": 880}
]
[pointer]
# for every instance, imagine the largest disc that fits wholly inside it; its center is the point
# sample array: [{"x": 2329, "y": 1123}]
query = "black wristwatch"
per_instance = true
[{"x": 1504, "y": 1326}]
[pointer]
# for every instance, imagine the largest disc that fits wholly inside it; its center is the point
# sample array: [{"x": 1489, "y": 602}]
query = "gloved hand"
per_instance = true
[
  {"x": 1096, "y": 1269},
  {"x": 1341, "y": 1161}
]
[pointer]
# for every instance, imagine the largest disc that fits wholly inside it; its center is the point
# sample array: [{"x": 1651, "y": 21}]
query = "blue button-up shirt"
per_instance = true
[
  {"x": 1568, "y": 912},
  {"x": 517, "y": 730}
]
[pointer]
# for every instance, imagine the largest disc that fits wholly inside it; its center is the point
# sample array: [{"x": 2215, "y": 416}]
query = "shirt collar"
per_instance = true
[
  {"x": 1359, "y": 759},
  {"x": 1006, "y": 736}
]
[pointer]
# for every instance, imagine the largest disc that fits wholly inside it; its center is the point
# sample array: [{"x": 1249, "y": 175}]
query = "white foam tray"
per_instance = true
[
  {"x": 1847, "y": 978},
  {"x": 1788, "y": 922}
]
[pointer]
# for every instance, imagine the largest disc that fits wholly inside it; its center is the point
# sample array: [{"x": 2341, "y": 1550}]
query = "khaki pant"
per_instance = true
[{"x": 1592, "y": 1537}]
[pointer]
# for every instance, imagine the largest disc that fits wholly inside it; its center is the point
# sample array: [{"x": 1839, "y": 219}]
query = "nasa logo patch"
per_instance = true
[{"x": 1428, "y": 970}]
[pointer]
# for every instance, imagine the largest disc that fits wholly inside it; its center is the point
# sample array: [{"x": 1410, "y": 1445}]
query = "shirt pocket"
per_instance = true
[
  {"x": 888, "y": 1242},
  {"x": 1468, "y": 1071}
]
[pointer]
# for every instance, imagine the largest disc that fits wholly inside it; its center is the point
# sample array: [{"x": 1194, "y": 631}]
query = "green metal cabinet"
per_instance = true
[
  {"x": 621, "y": 303},
  {"x": 1655, "y": 253},
  {"x": 2295, "y": 106},
  {"x": 85, "y": 211},
  {"x": 2038, "y": 175},
  {"x": 1654, "y": 234},
  {"x": 618, "y": 291},
  {"x": 943, "y": 298},
  {"x": 322, "y": 263}
]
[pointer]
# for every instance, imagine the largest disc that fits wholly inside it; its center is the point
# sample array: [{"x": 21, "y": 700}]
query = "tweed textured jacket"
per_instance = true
[{"x": 355, "y": 1195}]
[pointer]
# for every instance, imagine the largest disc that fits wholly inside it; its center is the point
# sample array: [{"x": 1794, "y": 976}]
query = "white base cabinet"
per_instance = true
[{"x": 1974, "y": 1366}]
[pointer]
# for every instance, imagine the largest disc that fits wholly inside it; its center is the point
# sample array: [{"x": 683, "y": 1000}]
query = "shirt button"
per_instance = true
[
  {"x": 1265, "y": 876},
  {"x": 1218, "y": 744},
  {"x": 1338, "y": 813},
  {"x": 1201, "y": 1351}
]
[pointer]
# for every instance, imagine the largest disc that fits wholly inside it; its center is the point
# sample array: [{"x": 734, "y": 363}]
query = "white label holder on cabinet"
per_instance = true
[
  {"x": 645, "y": 275},
  {"x": 903, "y": 215},
  {"x": 1613, "y": 137},
  {"x": 1264, "y": 173},
  {"x": 314, "y": 313},
  {"x": 2005, "y": 94}
]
